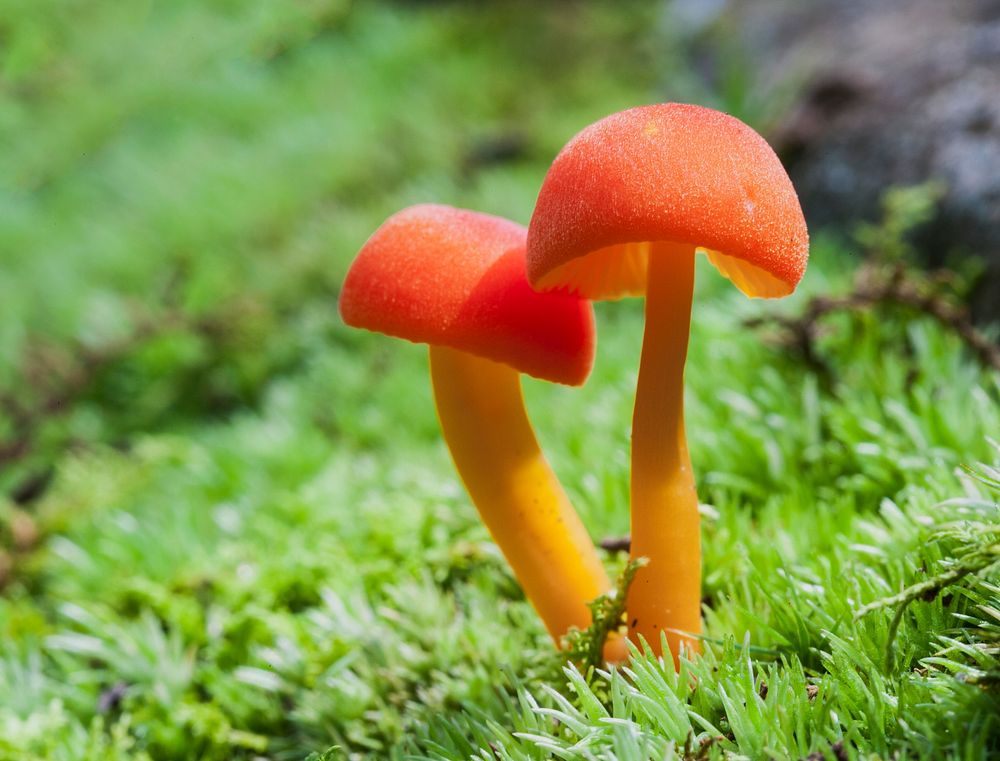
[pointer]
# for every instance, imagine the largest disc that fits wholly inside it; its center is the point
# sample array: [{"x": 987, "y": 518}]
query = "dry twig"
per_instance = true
[
  {"x": 878, "y": 286},
  {"x": 59, "y": 377}
]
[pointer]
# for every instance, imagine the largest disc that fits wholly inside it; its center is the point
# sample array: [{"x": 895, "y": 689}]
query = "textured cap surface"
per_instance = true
[
  {"x": 669, "y": 172},
  {"x": 439, "y": 275}
]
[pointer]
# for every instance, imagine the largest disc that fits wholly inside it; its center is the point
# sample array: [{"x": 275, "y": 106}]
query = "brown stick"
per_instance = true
[
  {"x": 617, "y": 544},
  {"x": 897, "y": 288},
  {"x": 63, "y": 378}
]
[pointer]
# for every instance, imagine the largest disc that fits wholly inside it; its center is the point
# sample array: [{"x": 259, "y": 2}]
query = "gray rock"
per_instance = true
[{"x": 895, "y": 92}]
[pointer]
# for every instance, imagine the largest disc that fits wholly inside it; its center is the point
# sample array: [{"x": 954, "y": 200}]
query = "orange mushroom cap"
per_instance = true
[
  {"x": 445, "y": 276},
  {"x": 668, "y": 172}
]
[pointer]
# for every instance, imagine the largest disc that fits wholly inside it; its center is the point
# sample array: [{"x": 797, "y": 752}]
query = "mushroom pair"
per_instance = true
[{"x": 622, "y": 212}]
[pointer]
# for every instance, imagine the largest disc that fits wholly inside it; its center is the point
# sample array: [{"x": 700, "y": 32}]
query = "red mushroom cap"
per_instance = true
[
  {"x": 668, "y": 172},
  {"x": 439, "y": 275}
]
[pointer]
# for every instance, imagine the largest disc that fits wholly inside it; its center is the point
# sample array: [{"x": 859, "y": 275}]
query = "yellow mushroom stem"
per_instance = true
[
  {"x": 665, "y": 596},
  {"x": 482, "y": 414}
]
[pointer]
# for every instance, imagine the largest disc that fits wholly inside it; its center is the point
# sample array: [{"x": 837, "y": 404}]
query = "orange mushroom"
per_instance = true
[
  {"x": 455, "y": 279},
  {"x": 622, "y": 211}
]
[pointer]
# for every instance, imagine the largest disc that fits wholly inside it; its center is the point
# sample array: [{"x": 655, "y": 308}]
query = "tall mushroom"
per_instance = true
[
  {"x": 455, "y": 279},
  {"x": 622, "y": 211}
]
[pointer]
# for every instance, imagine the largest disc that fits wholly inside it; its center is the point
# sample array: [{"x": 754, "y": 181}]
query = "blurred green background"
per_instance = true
[{"x": 182, "y": 180}]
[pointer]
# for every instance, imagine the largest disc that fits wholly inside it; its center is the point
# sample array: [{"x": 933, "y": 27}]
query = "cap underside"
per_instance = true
[{"x": 619, "y": 271}]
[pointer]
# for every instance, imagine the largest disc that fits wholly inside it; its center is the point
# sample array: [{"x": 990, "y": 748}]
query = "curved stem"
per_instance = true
[
  {"x": 666, "y": 594},
  {"x": 481, "y": 409}
]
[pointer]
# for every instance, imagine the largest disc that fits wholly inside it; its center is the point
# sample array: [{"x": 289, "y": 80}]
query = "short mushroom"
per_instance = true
[
  {"x": 455, "y": 279},
  {"x": 622, "y": 212}
]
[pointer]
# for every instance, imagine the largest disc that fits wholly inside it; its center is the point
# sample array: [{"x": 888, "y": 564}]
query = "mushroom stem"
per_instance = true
[
  {"x": 665, "y": 595},
  {"x": 481, "y": 409}
]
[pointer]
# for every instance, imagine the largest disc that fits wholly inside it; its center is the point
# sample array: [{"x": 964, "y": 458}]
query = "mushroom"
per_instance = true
[
  {"x": 622, "y": 211},
  {"x": 455, "y": 279}
]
